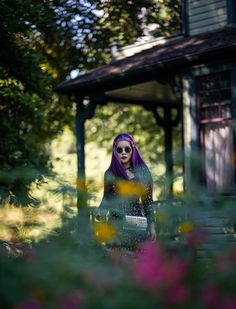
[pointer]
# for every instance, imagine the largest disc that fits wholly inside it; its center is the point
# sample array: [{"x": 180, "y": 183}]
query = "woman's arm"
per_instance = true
[
  {"x": 107, "y": 192},
  {"x": 147, "y": 201},
  {"x": 104, "y": 206}
]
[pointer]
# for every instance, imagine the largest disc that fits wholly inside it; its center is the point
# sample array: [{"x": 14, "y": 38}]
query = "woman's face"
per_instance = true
[{"x": 124, "y": 152}]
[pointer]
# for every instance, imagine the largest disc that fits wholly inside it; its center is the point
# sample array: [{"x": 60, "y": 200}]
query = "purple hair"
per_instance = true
[{"x": 116, "y": 168}]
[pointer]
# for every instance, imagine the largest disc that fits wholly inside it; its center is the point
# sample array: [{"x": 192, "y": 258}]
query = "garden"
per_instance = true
[{"x": 54, "y": 252}]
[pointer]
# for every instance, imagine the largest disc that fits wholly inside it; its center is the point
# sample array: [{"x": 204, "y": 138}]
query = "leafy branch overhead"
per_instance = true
[{"x": 41, "y": 42}]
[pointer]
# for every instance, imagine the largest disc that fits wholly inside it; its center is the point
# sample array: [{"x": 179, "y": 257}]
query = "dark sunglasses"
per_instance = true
[{"x": 126, "y": 149}]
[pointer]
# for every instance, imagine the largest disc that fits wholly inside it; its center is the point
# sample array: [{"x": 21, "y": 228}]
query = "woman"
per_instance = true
[{"x": 127, "y": 167}]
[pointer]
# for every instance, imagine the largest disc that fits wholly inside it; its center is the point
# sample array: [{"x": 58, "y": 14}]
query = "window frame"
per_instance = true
[
  {"x": 201, "y": 125},
  {"x": 231, "y": 11}
]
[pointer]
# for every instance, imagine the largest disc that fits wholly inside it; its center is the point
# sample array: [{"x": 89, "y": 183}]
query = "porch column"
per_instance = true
[
  {"x": 80, "y": 137},
  {"x": 167, "y": 123},
  {"x": 82, "y": 114},
  {"x": 167, "y": 126},
  {"x": 80, "y": 134}
]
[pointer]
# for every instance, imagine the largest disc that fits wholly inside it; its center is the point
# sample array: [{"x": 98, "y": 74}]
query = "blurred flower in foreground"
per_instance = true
[
  {"x": 211, "y": 297},
  {"x": 226, "y": 262},
  {"x": 104, "y": 232},
  {"x": 185, "y": 227},
  {"x": 177, "y": 294},
  {"x": 196, "y": 237},
  {"x": 214, "y": 297},
  {"x": 29, "y": 304},
  {"x": 128, "y": 189},
  {"x": 158, "y": 272},
  {"x": 100, "y": 279},
  {"x": 72, "y": 300}
]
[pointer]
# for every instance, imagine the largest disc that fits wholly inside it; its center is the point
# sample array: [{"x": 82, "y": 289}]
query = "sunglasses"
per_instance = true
[{"x": 126, "y": 149}]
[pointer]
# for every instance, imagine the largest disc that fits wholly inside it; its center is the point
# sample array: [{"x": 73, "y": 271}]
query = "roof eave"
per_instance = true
[{"x": 107, "y": 81}]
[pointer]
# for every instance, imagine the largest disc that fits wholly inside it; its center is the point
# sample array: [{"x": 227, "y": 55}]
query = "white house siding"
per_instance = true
[{"x": 206, "y": 15}]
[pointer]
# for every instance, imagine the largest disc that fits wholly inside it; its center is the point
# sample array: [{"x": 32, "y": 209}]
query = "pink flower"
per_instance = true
[
  {"x": 230, "y": 303},
  {"x": 156, "y": 270},
  {"x": 212, "y": 297},
  {"x": 72, "y": 300},
  {"x": 176, "y": 270},
  {"x": 195, "y": 238},
  {"x": 149, "y": 269},
  {"x": 178, "y": 294}
]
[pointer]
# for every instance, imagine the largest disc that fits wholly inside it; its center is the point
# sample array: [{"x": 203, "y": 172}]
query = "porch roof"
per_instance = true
[{"x": 172, "y": 55}]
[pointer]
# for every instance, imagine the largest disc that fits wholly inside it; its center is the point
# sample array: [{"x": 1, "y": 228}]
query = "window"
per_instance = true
[
  {"x": 216, "y": 132},
  {"x": 231, "y": 6}
]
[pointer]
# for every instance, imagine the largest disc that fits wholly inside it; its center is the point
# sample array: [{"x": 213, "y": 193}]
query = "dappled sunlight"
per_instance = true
[
  {"x": 64, "y": 160},
  {"x": 27, "y": 224}
]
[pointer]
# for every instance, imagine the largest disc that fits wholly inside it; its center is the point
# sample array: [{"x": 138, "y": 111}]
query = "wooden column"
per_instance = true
[
  {"x": 168, "y": 128},
  {"x": 82, "y": 114},
  {"x": 233, "y": 98},
  {"x": 167, "y": 123},
  {"x": 80, "y": 136}
]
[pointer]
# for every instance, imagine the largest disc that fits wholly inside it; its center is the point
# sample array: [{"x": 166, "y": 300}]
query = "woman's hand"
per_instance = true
[
  {"x": 97, "y": 214},
  {"x": 153, "y": 233}
]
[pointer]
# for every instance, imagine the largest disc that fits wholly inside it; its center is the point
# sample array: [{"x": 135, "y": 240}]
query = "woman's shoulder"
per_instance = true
[
  {"x": 142, "y": 170},
  {"x": 144, "y": 174},
  {"x": 109, "y": 176}
]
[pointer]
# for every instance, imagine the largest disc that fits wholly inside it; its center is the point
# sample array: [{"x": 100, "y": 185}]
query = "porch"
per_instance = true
[{"x": 160, "y": 80}]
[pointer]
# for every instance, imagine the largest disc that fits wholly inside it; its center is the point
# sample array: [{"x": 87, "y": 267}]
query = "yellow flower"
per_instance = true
[
  {"x": 80, "y": 184},
  {"x": 104, "y": 231},
  {"x": 185, "y": 227},
  {"x": 128, "y": 189}
]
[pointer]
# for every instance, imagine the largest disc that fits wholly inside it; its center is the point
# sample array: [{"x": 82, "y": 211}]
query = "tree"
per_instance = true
[
  {"x": 40, "y": 43},
  {"x": 27, "y": 104}
]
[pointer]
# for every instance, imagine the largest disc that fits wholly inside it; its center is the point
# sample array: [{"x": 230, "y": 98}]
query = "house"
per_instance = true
[{"x": 188, "y": 79}]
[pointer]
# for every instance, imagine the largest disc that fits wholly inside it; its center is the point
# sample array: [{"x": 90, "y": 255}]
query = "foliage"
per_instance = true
[
  {"x": 27, "y": 114},
  {"x": 24, "y": 129},
  {"x": 169, "y": 16},
  {"x": 80, "y": 266},
  {"x": 40, "y": 44},
  {"x": 117, "y": 18}
]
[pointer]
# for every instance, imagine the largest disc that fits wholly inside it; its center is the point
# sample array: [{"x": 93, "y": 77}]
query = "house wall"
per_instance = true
[
  {"x": 206, "y": 15},
  {"x": 190, "y": 122},
  {"x": 233, "y": 93},
  {"x": 188, "y": 128},
  {"x": 217, "y": 223}
]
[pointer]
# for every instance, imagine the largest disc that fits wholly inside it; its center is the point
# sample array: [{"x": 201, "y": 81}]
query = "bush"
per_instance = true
[{"x": 76, "y": 269}]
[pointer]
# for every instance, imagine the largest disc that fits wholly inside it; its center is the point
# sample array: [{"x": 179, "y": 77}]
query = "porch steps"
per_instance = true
[{"x": 221, "y": 235}]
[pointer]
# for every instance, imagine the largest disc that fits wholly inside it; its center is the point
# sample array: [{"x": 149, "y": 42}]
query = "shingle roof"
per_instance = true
[{"x": 183, "y": 50}]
